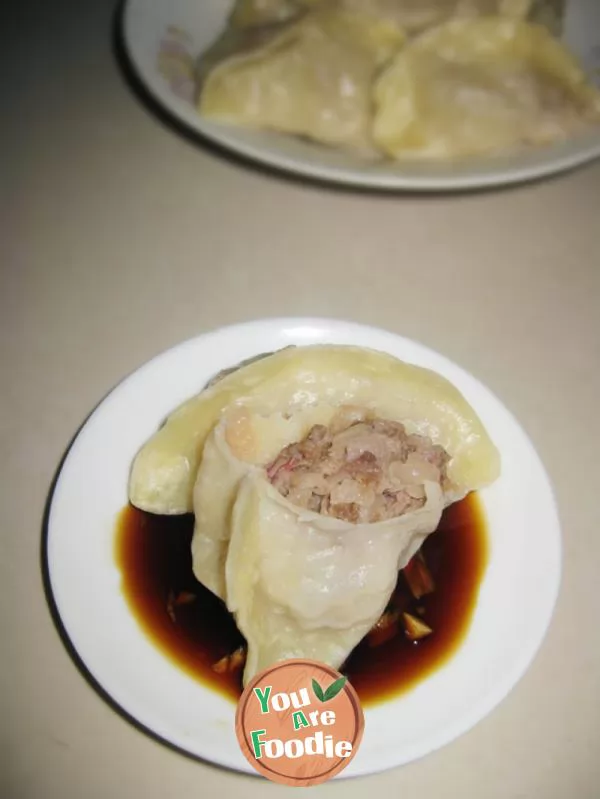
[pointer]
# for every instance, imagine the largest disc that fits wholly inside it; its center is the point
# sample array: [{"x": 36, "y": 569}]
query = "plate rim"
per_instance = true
[
  {"x": 560, "y": 157},
  {"x": 320, "y": 324}
]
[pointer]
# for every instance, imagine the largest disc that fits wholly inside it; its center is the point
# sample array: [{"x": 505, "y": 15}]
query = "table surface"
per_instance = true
[{"x": 123, "y": 237}]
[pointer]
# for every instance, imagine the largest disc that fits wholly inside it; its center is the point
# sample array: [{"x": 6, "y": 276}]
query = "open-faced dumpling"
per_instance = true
[
  {"x": 480, "y": 86},
  {"x": 311, "y": 78},
  {"x": 344, "y": 462}
]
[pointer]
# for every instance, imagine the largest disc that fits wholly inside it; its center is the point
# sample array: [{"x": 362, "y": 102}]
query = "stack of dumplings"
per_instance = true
[{"x": 402, "y": 79}]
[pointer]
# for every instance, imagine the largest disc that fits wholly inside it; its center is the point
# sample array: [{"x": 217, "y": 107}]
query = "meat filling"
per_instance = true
[{"x": 360, "y": 468}]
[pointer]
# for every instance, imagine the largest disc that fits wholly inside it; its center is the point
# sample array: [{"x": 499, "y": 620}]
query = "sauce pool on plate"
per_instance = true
[{"x": 194, "y": 629}]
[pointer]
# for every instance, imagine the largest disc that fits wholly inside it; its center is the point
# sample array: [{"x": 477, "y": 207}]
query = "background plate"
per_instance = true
[{"x": 145, "y": 25}]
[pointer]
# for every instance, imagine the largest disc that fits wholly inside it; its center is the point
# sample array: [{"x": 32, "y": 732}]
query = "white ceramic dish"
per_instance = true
[
  {"x": 523, "y": 571},
  {"x": 147, "y": 21}
]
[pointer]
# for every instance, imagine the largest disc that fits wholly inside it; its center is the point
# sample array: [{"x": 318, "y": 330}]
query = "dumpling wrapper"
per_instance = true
[
  {"x": 164, "y": 470},
  {"x": 305, "y": 585},
  {"x": 478, "y": 87},
  {"x": 313, "y": 79}
]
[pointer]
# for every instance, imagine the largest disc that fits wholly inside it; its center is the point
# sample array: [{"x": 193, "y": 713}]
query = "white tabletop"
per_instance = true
[{"x": 124, "y": 238}]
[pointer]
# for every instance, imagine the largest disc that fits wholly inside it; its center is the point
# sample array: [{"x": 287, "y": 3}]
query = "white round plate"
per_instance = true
[
  {"x": 146, "y": 23},
  {"x": 523, "y": 570}
]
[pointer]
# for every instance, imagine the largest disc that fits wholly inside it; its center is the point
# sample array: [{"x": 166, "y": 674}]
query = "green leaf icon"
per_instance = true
[
  {"x": 334, "y": 688},
  {"x": 318, "y": 691},
  {"x": 331, "y": 692}
]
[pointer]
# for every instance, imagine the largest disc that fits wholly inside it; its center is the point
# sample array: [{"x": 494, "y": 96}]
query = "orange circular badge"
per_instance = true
[{"x": 299, "y": 722}]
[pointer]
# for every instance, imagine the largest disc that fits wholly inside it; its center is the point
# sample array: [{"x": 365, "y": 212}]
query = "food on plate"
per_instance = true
[
  {"x": 399, "y": 79},
  {"x": 311, "y": 78},
  {"x": 314, "y": 474},
  {"x": 480, "y": 86}
]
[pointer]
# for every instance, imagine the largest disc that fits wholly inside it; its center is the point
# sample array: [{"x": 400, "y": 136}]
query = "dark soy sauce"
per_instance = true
[{"x": 193, "y": 628}]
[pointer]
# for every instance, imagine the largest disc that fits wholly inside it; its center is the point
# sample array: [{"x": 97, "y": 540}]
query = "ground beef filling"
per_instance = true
[{"x": 359, "y": 468}]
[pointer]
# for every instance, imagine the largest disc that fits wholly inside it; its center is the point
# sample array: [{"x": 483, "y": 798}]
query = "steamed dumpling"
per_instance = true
[
  {"x": 165, "y": 469},
  {"x": 304, "y": 519},
  {"x": 312, "y": 78},
  {"x": 480, "y": 86},
  {"x": 342, "y": 462}
]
